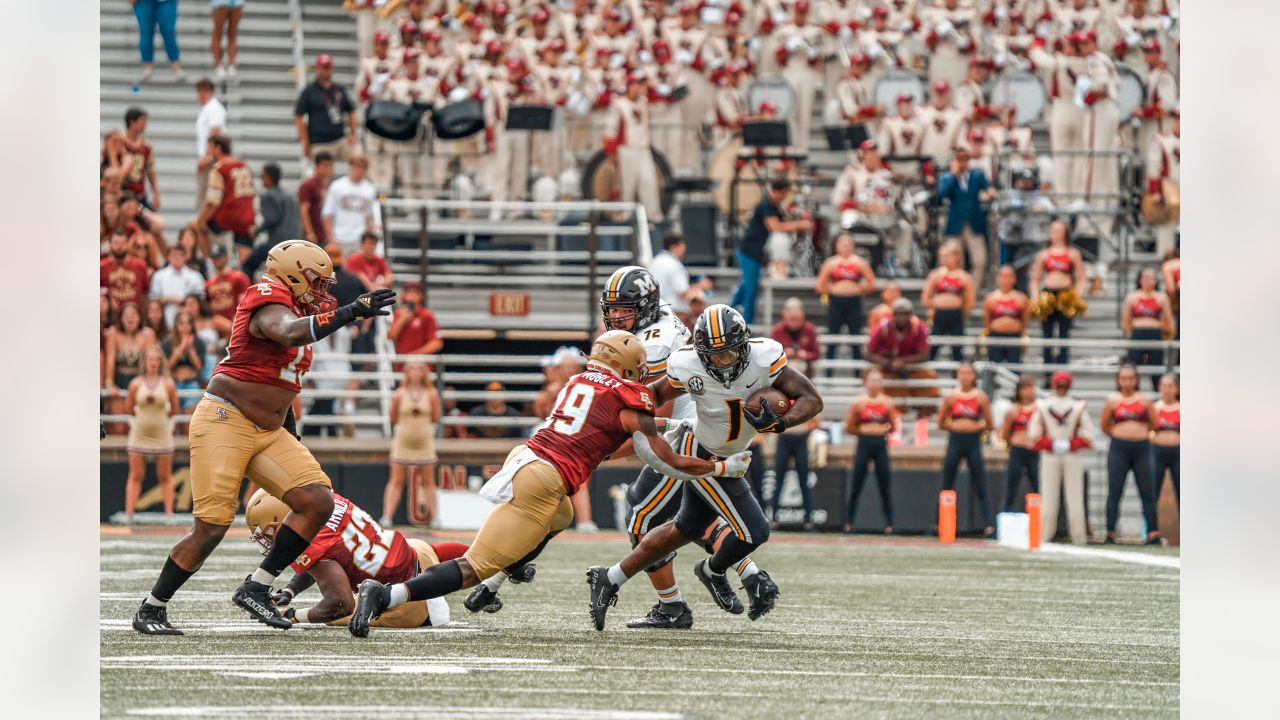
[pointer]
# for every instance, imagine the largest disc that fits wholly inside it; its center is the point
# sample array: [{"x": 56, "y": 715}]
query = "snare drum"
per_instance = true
[
  {"x": 1024, "y": 91},
  {"x": 774, "y": 89},
  {"x": 1132, "y": 91},
  {"x": 897, "y": 81}
]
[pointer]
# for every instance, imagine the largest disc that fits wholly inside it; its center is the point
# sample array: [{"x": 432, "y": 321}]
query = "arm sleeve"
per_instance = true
[
  {"x": 300, "y": 107},
  {"x": 646, "y": 453}
]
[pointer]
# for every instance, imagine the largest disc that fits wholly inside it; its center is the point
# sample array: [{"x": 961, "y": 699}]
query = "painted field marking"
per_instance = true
[
  {"x": 1136, "y": 558},
  {"x": 433, "y": 711}
]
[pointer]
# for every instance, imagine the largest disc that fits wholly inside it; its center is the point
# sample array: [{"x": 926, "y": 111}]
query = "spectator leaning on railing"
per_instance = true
[{"x": 899, "y": 346}]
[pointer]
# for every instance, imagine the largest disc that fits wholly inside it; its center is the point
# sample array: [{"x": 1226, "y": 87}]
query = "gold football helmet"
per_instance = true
[
  {"x": 621, "y": 353},
  {"x": 306, "y": 270},
  {"x": 263, "y": 514}
]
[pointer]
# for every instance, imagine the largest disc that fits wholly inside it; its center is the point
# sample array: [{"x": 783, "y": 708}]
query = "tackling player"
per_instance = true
[
  {"x": 595, "y": 412},
  {"x": 242, "y": 427},
  {"x": 630, "y": 300},
  {"x": 723, "y": 368},
  {"x": 350, "y": 548}
]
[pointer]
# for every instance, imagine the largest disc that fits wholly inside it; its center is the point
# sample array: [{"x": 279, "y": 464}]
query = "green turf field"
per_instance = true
[{"x": 864, "y": 629}]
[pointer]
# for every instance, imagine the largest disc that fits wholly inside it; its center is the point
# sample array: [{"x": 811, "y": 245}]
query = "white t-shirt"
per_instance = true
[
  {"x": 350, "y": 205},
  {"x": 673, "y": 280},
  {"x": 169, "y": 283},
  {"x": 212, "y": 115}
]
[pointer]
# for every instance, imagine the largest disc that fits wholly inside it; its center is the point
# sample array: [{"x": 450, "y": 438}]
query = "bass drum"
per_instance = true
[
  {"x": 393, "y": 121},
  {"x": 748, "y": 190},
  {"x": 897, "y": 81},
  {"x": 1132, "y": 91},
  {"x": 601, "y": 181},
  {"x": 774, "y": 89},
  {"x": 458, "y": 120},
  {"x": 1022, "y": 90}
]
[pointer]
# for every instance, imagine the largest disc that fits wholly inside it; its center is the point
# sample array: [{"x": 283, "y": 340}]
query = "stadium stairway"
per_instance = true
[{"x": 259, "y": 105}]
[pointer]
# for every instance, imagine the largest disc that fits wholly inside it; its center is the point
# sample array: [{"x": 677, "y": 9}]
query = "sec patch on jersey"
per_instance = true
[{"x": 775, "y": 398}]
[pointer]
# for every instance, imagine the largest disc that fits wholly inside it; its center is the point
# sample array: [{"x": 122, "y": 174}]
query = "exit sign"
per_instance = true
[{"x": 509, "y": 304}]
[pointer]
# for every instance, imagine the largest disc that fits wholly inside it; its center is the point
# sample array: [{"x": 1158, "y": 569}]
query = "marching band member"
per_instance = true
[
  {"x": 1164, "y": 162},
  {"x": 853, "y": 102},
  {"x": 951, "y": 36},
  {"x": 942, "y": 125},
  {"x": 901, "y": 136},
  {"x": 628, "y": 139},
  {"x": 1161, "y": 97},
  {"x": 1058, "y": 70},
  {"x": 799, "y": 54},
  {"x": 412, "y": 88}
]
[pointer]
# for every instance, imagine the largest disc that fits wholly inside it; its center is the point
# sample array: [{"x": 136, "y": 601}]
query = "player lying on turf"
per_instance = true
[
  {"x": 242, "y": 427},
  {"x": 725, "y": 372},
  {"x": 350, "y": 548},
  {"x": 594, "y": 413}
]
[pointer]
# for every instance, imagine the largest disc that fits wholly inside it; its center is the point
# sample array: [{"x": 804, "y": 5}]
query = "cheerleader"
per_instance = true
[
  {"x": 1166, "y": 440},
  {"x": 152, "y": 399},
  {"x": 871, "y": 418},
  {"x": 1005, "y": 312},
  {"x": 966, "y": 414},
  {"x": 1057, "y": 286},
  {"x": 1014, "y": 431},
  {"x": 1128, "y": 417},
  {"x": 1147, "y": 316},
  {"x": 415, "y": 412},
  {"x": 949, "y": 293}
]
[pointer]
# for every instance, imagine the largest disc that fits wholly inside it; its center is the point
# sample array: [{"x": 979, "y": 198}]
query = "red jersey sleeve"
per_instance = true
[
  {"x": 266, "y": 293},
  {"x": 636, "y": 396},
  {"x": 316, "y": 551}
]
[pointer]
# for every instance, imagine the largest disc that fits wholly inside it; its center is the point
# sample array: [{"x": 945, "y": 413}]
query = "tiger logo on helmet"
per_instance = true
[
  {"x": 631, "y": 287},
  {"x": 720, "y": 337},
  {"x": 306, "y": 270}
]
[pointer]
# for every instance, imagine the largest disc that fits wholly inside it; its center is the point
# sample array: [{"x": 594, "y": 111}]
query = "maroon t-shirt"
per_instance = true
[
  {"x": 887, "y": 341},
  {"x": 417, "y": 332},
  {"x": 312, "y": 191},
  {"x": 126, "y": 282},
  {"x": 372, "y": 268}
]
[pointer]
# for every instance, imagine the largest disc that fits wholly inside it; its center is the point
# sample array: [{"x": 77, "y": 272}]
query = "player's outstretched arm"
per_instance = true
[
  {"x": 336, "y": 588},
  {"x": 659, "y": 455},
  {"x": 278, "y": 323},
  {"x": 799, "y": 388}
]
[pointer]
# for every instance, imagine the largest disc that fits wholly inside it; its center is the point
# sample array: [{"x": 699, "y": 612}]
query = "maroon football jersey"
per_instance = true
[
  {"x": 255, "y": 359},
  {"x": 585, "y": 428},
  {"x": 365, "y": 551}
]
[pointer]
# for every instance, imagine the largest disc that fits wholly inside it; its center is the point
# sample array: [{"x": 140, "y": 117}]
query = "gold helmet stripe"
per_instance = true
[
  {"x": 715, "y": 328},
  {"x": 614, "y": 281}
]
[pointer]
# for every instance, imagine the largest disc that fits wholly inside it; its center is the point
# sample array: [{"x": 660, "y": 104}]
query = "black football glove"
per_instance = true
[
  {"x": 282, "y": 597},
  {"x": 372, "y": 304},
  {"x": 767, "y": 421},
  {"x": 367, "y": 305}
]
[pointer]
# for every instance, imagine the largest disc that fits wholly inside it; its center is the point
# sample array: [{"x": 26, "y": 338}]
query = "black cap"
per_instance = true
[{"x": 218, "y": 251}]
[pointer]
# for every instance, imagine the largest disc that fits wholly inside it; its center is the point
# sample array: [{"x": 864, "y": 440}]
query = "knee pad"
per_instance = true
[
  {"x": 661, "y": 563},
  {"x": 709, "y": 542}
]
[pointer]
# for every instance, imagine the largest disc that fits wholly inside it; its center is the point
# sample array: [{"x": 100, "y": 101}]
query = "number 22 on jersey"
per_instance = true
[{"x": 367, "y": 542}]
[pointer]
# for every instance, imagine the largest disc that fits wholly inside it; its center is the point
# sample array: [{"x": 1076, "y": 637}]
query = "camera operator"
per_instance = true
[{"x": 1024, "y": 214}]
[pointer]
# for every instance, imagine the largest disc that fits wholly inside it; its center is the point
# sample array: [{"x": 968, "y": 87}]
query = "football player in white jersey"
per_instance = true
[
  {"x": 719, "y": 372},
  {"x": 631, "y": 300}
]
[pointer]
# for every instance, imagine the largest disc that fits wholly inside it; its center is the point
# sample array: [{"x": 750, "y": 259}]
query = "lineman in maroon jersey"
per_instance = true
[
  {"x": 242, "y": 427},
  {"x": 594, "y": 414},
  {"x": 350, "y": 548}
]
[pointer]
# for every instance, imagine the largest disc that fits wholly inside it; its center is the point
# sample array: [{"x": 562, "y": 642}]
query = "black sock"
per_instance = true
[
  {"x": 730, "y": 553},
  {"x": 436, "y": 581},
  {"x": 286, "y": 548},
  {"x": 172, "y": 577}
]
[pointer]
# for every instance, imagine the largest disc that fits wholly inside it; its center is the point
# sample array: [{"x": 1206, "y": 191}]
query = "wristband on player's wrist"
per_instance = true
[
  {"x": 327, "y": 323},
  {"x": 719, "y": 468}
]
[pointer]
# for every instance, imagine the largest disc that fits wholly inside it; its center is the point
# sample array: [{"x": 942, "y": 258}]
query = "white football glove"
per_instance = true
[
  {"x": 944, "y": 28},
  {"x": 734, "y": 466},
  {"x": 684, "y": 57},
  {"x": 906, "y": 26}
]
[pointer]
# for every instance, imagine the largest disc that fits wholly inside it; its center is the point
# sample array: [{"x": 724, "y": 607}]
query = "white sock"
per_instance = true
[
  {"x": 493, "y": 582},
  {"x": 616, "y": 576},
  {"x": 262, "y": 576},
  {"x": 671, "y": 595},
  {"x": 153, "y": 600},
  {"x": 746, "y": 568},
  {"x": 399, "y": 595}
]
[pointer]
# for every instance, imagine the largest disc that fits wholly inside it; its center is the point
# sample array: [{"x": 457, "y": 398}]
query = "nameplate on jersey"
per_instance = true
[{"x": 508, "y": 304}]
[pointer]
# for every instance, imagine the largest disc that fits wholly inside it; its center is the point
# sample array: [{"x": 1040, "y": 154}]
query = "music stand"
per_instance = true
[
  {"x": 846, "y": 137},
  {"x": 530, "y": 117},
  {"x": 765, "y": 133}
]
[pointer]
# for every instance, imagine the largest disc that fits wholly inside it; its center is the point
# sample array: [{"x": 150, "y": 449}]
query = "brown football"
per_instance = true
[{"x": 776, "y": 399}]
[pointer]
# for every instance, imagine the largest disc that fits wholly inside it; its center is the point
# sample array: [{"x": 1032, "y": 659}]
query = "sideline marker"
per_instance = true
[
  {"x": 947, "y": 517},
  {"x": 1033, "y": 521}
]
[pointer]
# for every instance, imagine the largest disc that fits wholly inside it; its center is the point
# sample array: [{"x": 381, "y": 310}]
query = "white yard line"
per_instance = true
[
  {"x": 432, "y": 711},
  {"x": 1136, "y": 558}
]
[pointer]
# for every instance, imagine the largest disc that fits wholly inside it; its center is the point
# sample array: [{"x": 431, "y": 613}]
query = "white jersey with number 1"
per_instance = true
[
  {"x": 721, "y": 427},
  {"x": 660, "y": 340}
]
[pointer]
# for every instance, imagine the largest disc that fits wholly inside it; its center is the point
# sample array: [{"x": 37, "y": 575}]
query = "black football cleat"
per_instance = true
[
  {"x": 762, "y": 593},
  {"x": 154, "y": 620},
  {"x": 256, "y": 599},
  {"x": 524, "y": 574},
  {"x": 371, "y": 600},
  {"x": 482, "y": 598},
  {"x": 603, "y": 593},
  {"x": 664, "y": 616},
  {"x": 719, "y": 588}
]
